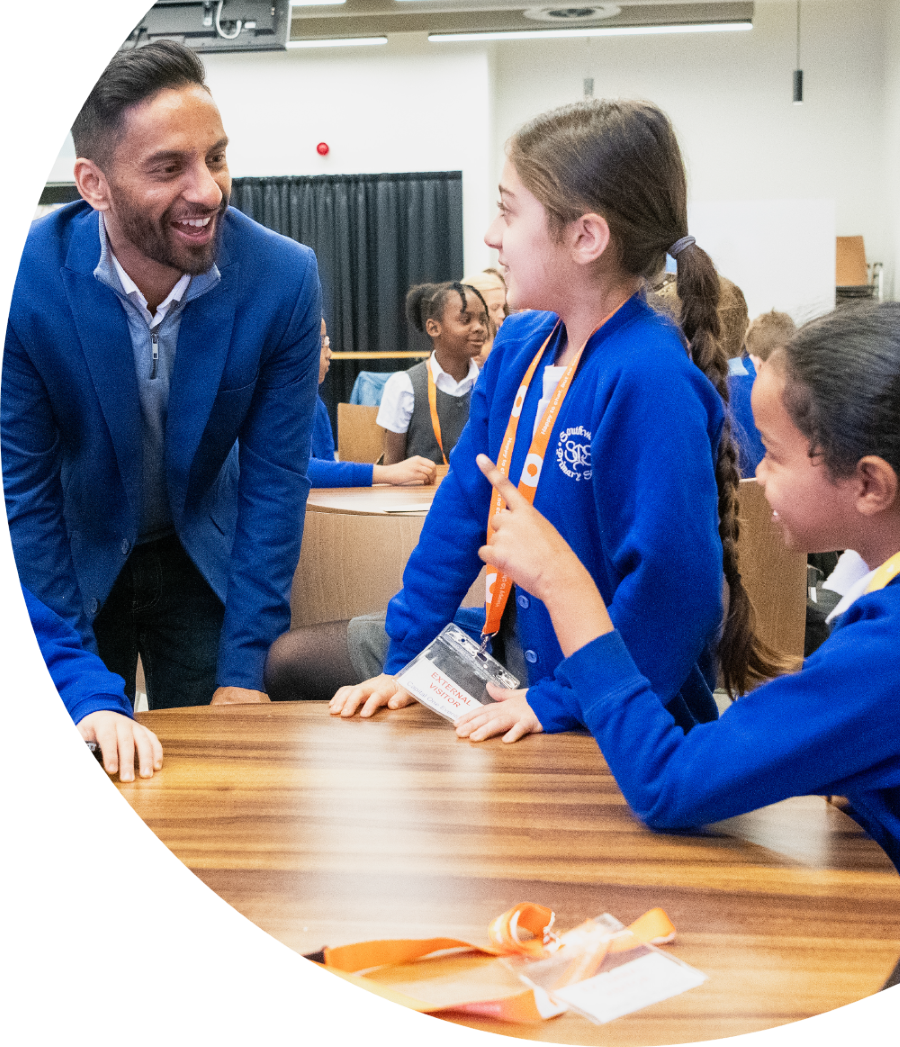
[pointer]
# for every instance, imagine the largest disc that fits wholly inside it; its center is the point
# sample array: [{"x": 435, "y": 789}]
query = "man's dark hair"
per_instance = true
[{"x": 131, "y": 78}]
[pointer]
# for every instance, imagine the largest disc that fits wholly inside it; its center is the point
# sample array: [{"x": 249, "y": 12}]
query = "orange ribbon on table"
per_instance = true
[
  {"x": 463, "y": 989},
  {"x": 499, "y": 585}
]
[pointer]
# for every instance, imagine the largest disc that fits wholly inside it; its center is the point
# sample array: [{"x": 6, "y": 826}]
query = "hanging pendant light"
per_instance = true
[{"x": 798, "y": 72}]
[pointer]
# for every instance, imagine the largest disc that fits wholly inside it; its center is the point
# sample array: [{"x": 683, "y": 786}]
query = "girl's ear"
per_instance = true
[
  {"x": 433, "y": 328},
  {"x": 878, "y": 485},
  {"x": 589, "y": 237}
]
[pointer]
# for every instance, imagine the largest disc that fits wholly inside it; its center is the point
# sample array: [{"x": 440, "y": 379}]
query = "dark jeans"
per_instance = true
[{"x": 162, "y": 608}]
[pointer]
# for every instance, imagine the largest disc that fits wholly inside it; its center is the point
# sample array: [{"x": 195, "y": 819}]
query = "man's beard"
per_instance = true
[{"x": 156, "y": 238}]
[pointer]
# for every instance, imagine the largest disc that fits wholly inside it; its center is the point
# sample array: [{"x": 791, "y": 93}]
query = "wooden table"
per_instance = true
[
  {"x": 325, "y": 832},
  {"x": 356, "y": 541},
  {"x": 372, "y": 501}
]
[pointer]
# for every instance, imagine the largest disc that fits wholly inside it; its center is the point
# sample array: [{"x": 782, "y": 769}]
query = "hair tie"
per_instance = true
[{"x": 679, "y": 245}]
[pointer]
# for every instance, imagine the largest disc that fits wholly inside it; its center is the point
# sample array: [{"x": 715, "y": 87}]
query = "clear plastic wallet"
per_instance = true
[{"x": 451, "y": 675}]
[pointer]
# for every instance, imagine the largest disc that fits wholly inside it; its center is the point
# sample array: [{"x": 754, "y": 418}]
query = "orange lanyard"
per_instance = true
[
  {"x": 465, "y": 989},
  {"x": 432, "y": 403},
  {"x": 499, "y": 585}
]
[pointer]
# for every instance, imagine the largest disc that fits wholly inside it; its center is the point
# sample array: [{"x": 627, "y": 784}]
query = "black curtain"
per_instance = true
[{"x": 374, "y": 237}]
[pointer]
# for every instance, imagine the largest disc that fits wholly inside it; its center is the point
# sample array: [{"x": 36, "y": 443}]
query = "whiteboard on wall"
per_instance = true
[{"x": 779, "y": 252}]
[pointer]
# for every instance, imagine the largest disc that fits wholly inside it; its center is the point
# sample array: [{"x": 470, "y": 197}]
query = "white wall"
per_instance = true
[
  {"x": 418, "y": 106},
  {"x": 890, "y": 181},
  {"x": 402, "y": 107},
  {"x": 729, "y": 97},
  {"x": 407, "y": 106}
]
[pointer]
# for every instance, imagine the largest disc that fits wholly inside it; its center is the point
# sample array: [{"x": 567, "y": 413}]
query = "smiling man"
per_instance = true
[{"x": 159, "y": 384}]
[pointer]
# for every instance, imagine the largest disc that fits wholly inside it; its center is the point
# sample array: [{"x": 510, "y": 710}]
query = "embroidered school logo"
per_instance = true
[{"x": 573, "y": 453}]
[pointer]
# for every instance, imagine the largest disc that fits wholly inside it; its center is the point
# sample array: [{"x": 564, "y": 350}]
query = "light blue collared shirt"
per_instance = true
[{"x": 154, "y": 339}]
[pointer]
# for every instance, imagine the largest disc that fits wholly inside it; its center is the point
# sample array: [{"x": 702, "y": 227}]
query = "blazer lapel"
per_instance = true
[
  {"x": 204, "y": 339},
  {"x": 106, "y": 343}
]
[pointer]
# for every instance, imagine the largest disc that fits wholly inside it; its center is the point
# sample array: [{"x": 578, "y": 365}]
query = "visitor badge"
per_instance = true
[
  {"x": 451, "y": 675},
  {"x": 603, "y": 971}
]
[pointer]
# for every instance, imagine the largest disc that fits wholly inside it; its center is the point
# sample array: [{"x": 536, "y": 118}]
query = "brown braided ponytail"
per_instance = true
[
  {"x": 621, "y": 160},
  {"x": 744, "y": 658}
]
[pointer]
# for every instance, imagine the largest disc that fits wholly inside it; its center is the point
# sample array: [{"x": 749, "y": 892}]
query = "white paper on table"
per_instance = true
[
  {"x": 418, "y": 507},
  {"x": 629, "y": 987}
]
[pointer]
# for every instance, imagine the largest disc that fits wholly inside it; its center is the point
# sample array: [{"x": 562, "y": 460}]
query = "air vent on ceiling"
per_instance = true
[{"x": 573, "y": 15}]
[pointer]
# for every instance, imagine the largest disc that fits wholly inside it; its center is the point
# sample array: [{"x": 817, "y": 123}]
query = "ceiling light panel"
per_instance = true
[{"x": 368, "y": 18}]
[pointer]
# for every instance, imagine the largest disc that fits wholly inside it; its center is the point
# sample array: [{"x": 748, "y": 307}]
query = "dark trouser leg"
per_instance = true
[
  {"x": 309, "y": 664},
  {"x": 163, "y": 608},
  {"x": 116, "y": 636},
  {"x": 312, "y": 662}
]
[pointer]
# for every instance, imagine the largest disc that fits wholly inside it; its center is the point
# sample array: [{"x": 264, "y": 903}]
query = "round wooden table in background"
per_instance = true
[
  {"x": 324, "y": 832},
  {"x": 356, "y": 541}
]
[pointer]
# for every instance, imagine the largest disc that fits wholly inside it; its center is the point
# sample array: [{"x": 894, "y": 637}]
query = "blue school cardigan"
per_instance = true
[
  {"x": 324, "y": 471},
  {"x": 628, "y": 480},
  {"x": 741, "y": 376}
]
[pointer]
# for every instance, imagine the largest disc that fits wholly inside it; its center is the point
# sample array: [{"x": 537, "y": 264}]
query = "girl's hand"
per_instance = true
[
  {"x": 511, "y": 714},
  {"x": 413, "y": 471},
  {"x": 529, "y": 549},
  {"x": 372, "y": 695}
]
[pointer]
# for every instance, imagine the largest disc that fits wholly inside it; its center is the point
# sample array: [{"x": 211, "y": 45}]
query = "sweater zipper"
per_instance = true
[{"x": 154, "y": 351}]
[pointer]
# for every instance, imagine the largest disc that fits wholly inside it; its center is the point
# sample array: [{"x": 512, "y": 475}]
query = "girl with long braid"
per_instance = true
[{"x": 611, "y": 420}]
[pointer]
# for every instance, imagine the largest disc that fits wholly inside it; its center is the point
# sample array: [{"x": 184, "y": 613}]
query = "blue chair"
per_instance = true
[{"x": 369, "y": 387}]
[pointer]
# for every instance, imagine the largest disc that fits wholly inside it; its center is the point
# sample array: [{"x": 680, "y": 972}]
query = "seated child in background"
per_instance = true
[
  {"x": 828, "y": 408},
  {"x": 424, "y": 410},
  {"x": 733, "y": 320},
  {"x": 768, "y": 332},
  {"x": 94, "y": 697},
  {"x": 324, "y": 471},
  {"x": 492, "y": 287}
]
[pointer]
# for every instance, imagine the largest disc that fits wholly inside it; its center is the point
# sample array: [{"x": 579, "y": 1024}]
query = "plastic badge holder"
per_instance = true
[
  {"x": 451, "y": 675},
  {"x": 602, "y": 971}
]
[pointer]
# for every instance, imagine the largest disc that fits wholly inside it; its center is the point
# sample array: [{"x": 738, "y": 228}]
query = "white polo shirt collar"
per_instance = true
[{"x": 447, "y": 383}]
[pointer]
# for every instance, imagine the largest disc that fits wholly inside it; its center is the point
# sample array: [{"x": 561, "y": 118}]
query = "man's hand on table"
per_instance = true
[
  {"x": 238, "y": 696},
  {"x": 121, "y": 741}
]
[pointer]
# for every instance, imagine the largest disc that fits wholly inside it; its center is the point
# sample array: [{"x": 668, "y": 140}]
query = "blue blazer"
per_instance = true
[
  {"x": 83, "y": 681},
  {"x": 242, "y": 398}
]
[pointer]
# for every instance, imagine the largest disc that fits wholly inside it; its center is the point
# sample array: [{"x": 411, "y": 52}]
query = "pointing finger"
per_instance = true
[{"x": 501, "y": 484}]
